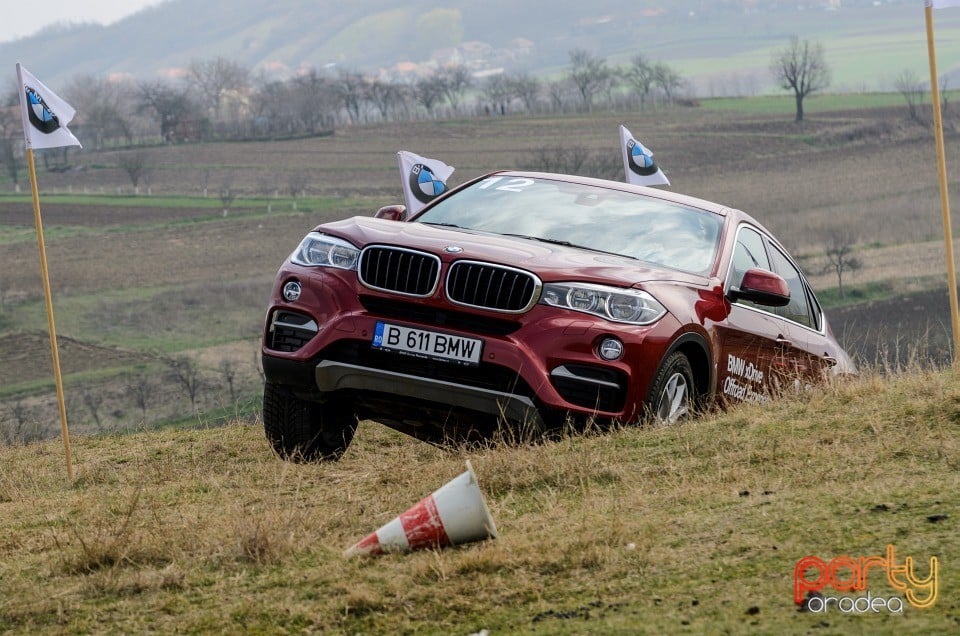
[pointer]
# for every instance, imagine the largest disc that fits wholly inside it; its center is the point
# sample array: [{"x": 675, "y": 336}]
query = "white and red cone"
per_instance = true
[{"x": 455, "y": 513}]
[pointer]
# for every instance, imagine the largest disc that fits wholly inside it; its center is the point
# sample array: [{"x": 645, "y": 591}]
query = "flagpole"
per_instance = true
[
  {"x": 944, "y": 195},
  {"x": 49, "y": 300}
]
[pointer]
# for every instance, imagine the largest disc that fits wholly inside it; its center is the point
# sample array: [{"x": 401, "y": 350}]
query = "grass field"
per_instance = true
[
  {"x": 690, "y": 529},
  {"x": 784, "y": 105}
]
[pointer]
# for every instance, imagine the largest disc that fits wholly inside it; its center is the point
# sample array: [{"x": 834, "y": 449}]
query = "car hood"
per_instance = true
[{"x": 551, "y": 263}]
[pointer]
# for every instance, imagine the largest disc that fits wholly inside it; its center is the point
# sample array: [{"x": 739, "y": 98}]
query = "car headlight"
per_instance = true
[
  {"x": 320, "y": 250},
  {"x": 631, "y": 306}
]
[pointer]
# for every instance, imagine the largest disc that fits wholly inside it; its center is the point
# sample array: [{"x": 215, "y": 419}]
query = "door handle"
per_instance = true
[{"x": 784, "y": 343}]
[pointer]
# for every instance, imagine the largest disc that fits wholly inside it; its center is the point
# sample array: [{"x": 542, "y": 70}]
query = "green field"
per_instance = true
[
  {"x": 690, "y": 529},
  {"x": 817, "y": 103}
]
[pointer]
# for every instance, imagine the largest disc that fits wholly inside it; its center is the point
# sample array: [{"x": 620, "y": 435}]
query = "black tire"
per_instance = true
[
  {"x": 673, "y": 394},
  {"x": 302, "y": 431}
]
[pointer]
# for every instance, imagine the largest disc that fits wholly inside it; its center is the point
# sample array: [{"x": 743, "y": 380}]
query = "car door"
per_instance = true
[
  {"x": 811, "y": 352},
  {"x": 753, "y": 340}
]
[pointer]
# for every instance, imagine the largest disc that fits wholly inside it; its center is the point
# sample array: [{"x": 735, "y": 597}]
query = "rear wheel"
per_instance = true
[
  {"x": 672, "y": 392},
  {"x": 304, "y": 431}
]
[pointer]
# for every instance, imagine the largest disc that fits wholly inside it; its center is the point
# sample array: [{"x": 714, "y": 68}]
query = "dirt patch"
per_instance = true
[
  {"x": 220, "y": 250},
  {"x": 897, "y": 332},
  {"x": 95, "y": 215},
  {"x": 26, "y": 357}
]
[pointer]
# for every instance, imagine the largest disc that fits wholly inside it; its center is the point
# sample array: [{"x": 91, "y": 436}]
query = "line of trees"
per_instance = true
[{"x": 221, "y": 99}]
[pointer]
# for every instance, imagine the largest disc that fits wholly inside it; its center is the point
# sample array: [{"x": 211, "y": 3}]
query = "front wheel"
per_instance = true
[
  {"x": 672, "y": 392},
  {"x": 304, "y": 431}
]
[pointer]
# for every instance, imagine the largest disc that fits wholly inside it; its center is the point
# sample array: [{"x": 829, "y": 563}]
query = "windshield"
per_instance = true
[{"x": 651, "y": 230}]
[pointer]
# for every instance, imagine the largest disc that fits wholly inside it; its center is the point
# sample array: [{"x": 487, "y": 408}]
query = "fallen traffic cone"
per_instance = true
[{"x": 455, "y": 513}]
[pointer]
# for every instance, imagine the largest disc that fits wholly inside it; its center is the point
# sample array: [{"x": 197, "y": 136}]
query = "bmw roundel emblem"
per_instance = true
[
  {"x": 453, "y": 249},
  {"x": 424, "y": 184},
  {"x": 39, "y": 113},
  {"x": 641, "y": 160}
]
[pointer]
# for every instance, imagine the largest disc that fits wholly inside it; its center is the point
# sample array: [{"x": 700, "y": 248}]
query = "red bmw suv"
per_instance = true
[{"x": 520, "y": 299}]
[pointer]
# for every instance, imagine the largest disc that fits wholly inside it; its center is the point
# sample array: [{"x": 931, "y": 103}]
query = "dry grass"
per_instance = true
[{"x": 686, "y": 529}]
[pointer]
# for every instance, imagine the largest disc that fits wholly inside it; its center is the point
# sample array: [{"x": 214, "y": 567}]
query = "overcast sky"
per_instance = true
[{"x": 20, "y": 18}]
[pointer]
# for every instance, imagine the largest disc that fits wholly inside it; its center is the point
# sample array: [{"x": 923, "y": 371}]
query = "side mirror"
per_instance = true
[
  {"x": 392, "y": 213},
  {"x": 762, "y": 287}
]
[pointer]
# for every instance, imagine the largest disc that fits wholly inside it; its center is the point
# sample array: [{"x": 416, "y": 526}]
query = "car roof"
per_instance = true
[{"x": 665, "y": 195}]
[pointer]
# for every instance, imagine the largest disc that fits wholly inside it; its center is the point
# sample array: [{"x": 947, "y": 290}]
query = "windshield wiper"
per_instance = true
[
  {"x": 544, "y": 240},
  {"x": 567, "y": 244},
  {"x": 442, "y": 224}
]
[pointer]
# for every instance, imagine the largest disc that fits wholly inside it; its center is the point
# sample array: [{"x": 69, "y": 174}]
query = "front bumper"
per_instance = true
[{"x": 543, "y": 361}]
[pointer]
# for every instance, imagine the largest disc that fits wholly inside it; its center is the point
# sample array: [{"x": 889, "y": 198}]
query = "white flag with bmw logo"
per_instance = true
[
  {"x": 423, "y": 180},
  {"x": 638, "y": 162},
  {"x": 45, "y": 115}
]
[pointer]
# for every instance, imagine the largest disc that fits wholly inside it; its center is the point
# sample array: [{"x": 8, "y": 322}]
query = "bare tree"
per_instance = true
[
  {"x": 204, "y": 174},
  {"x": 93, "y": 400},
  {"x": 267, "y": 186},
  {"x": 497, "y": 89},
  {"x": 428, "y": 92},
  {"x": 186, "y": 372},
  {"x": 801, "y": 67},
  {"x": 640, "y": 76},
  {"x": 313, "y": 98},
  {"x": 384, "y": 95},
  {"x": 171, "y": 106},
  {"x": 227, "y": 196},
  {"x": 589, "y": 73},
  {"x": 351, "y": 87},
  {"x": 525, "y": 87},
  {"x": 229, "y": 372},
  {"x": 558, "y": 90},
  {"x": 454, "y": 82},
  {"x": 297, "y": 184},
  {"x": 136, "y": 165},
  {"x": 270, "y": 102},
  {"x": 213, "y": 79},
  {"x": 913, "y": 91},
  {"x": 667, "y": 79},
  {"x": 840, "y": 258},
  {"x": 142, "y": 389},
  {"x": 106, "y": 106}
]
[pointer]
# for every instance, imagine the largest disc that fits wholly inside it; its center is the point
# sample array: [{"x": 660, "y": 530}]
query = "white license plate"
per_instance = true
[{"x": 429, "y": 344}]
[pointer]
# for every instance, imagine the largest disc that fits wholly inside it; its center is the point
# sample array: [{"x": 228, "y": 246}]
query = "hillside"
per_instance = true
[
  {"x": 720, "y": 47},
  {"x": 690, "y": 529}
]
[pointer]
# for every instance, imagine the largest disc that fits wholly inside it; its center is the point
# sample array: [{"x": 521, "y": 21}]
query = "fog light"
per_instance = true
[
  {"x": 610, "y": 349},
  {"x": 291, "y": 291}
]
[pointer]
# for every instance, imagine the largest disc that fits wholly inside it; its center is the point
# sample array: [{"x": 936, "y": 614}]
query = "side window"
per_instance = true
[
  {"x": 749, "y": 253},
  {"x": 798, "y": 310}
]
